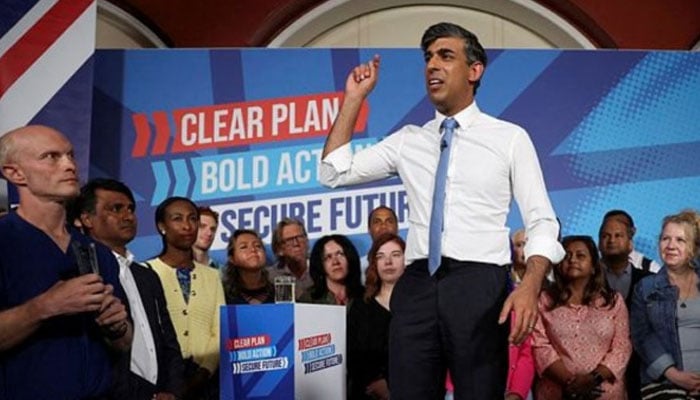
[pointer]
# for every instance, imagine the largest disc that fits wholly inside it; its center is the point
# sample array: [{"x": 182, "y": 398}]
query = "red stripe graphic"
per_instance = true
[
  {"x": 143, "y": 135},
  {"x": 18, "y": 58},
  {"x": 162, "y": 133}
]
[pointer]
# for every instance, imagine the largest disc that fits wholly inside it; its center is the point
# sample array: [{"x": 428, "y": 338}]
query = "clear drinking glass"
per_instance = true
[{"x": 284, "y": 289}]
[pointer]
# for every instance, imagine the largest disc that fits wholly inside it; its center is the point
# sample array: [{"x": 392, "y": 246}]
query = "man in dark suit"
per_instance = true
[
  {"x": 154, "y": 367},
  {"x": 615, "y": 244}
]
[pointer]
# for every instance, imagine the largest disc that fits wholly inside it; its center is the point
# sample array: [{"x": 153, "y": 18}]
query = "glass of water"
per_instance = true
[{"x": 284, "y": 289}]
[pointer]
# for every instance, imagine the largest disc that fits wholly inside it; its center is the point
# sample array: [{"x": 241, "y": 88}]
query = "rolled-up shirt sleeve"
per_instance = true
[
  {"x": 335, "y": 165},
  {"x": 530, "y": 192},
  {"x": 342, "y": 167}
]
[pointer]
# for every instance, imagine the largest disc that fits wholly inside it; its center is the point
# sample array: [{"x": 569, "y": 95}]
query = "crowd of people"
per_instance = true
[
  {"x": 603, "y": 329},
  {"x": 565, "y": 318}
]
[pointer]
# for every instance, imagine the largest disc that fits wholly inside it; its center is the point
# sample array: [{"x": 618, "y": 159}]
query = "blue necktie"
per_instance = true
[{"x": 436, "y": 216}]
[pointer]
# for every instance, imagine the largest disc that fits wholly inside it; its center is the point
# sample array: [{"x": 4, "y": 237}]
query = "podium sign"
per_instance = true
[{"x": 283, "y": 351}]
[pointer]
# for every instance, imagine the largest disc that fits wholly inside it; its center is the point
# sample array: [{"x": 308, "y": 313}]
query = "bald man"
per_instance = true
[{"x": 58, "y": 319}]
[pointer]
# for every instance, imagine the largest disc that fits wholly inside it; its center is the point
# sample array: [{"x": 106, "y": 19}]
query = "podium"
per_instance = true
[{"x": 283, "y": 352}]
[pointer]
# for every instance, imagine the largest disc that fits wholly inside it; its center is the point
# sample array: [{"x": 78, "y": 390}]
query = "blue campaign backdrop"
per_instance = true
[{"x": 242, "y": 131}]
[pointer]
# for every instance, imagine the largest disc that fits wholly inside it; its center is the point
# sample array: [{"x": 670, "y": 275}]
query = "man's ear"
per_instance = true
[
  {"x": 86, "y": 220},
  {"x": 476, "y": 70},
  {"x": 13, "y": 173}
]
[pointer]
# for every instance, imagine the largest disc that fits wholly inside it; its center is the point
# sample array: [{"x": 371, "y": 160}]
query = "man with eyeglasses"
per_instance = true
[{"x": 291, "y": 247}]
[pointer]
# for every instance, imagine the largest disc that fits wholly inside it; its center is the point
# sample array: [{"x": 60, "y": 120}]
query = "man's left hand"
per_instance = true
[
  {"x": 523, "y": 300},
  {"x": 112, "y": 315}
]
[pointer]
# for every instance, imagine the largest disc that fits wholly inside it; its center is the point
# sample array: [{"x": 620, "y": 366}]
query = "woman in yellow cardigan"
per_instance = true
[{"x": 194, "y": 295}]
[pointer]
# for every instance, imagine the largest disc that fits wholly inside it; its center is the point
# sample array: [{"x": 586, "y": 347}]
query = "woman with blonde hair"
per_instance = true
[{"x": 666, "y": 314}]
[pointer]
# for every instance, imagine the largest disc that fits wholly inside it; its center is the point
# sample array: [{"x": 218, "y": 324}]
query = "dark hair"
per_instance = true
[
  {"x": 353, "y": 286},
  {"x": 619, "y": 216},
  {"x": 391, "y": 210},
  {"x": 232, "y": 276},
  {"x": 559, "y": 290},
  {"x": 277, "y": 233},
  {"x": 472, "y": 48},
  {"x": 206, "y": 210},
  {"x": 373, "y": 283},
  {"x": 87, "y": 199},
  {"x": 160, "y": 214}
]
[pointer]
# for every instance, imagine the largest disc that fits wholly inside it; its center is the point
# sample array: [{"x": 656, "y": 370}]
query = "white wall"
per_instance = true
[{"x": 383, "y": 23}]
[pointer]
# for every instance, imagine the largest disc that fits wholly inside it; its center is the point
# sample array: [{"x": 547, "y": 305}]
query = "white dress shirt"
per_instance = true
[
  {"x": 636, "y": 258},
  {"x": 144, "y": 361},
  {"x": 491, "y": 162}
]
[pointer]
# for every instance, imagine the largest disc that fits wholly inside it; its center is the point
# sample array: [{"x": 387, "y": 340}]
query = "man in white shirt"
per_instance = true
[
  {"x": 453, "y": 317},
  {"x": 154, "y": 368}
]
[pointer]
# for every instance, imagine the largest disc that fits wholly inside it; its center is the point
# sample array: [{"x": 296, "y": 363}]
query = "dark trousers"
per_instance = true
[{"x": 448, "y": 321}]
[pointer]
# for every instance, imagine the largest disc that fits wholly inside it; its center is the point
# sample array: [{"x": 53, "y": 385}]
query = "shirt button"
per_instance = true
[
  {"x": 193, "y": 293},
  {"x": 184, "y": 312},
  {"x": 187, "y": 333}
]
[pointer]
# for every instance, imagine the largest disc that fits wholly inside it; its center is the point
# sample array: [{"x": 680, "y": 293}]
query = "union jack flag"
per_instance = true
[{"x": 46, "y": 67}]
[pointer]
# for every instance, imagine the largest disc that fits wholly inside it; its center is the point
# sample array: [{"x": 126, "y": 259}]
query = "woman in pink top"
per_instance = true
[
  {"x": 521, "y": 369},
  {"x": 581, "y": 340}
]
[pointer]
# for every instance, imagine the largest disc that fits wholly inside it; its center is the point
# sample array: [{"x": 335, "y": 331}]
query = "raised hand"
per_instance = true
[{"x": 363, "y": 78}]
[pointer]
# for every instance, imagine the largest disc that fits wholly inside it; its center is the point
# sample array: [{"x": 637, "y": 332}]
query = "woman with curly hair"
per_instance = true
[
  {"x": 581, "y": 340},
  {"x": 245, "y": 277},
  {"x": 368, "y": 321},
  {"x": 335, "y": 270}
]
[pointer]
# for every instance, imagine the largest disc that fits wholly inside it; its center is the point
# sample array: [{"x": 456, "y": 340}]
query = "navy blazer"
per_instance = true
[{"x": 126, "y": 384}]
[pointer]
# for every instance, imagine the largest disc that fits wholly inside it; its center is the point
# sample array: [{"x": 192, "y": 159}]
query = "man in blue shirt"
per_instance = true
[{"x": 58, "y": 319}]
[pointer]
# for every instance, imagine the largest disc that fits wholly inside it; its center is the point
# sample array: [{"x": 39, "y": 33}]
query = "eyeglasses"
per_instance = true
[{"x": 293, "y": 240}]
